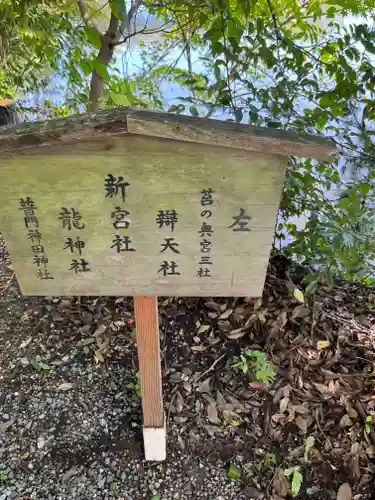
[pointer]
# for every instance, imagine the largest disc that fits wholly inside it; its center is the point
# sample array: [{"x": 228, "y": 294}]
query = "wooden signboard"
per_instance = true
[{"x": 129, "y": 202}]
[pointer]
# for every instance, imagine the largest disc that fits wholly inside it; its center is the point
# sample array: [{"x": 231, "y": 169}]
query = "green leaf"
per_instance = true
[
  {"x": 288, "y": 472},
  {"x": 238, "y": 115},
  {"x": 311, "y": 288},
  {"x": 328, "y": 276},
  {"x": 155, "y": 497},
  {"x": 344, "y": 203},
  {"x": 193, "y": 111},
  {"x": 368, "y": 423},
  {"x": 120, "y": 99},
  {"x": 369, "y": 46},
  {"x": 234, "y": 472},
  {"x": 364, "y": 188},
  {"x": 273, "y": 124},
  {"x": 327, "y": 100},
  {"x": 296, "y": 482},
  {"x": 93, "y": 37},
  {"x": 233, "y": 30},
  {"x": 118, "y": 8},
  {"x": 101, "y": 69},
  {"x": 86, "y": 67},
  {"x": 298, "y": 295},
  {"x": 44, "y": 366}
]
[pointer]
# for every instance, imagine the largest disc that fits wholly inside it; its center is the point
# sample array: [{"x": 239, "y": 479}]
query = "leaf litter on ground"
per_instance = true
[{"x": 312, "y": 416}]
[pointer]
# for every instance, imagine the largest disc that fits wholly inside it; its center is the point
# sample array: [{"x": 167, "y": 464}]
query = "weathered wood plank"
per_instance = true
[
  {"x": 119, "y": 121},
  {"x": 148, "y": 345},
  {"x": 229, "y": 134},
  {"x": 105, "y": 124},
  {"x": 162, "y": 175}
]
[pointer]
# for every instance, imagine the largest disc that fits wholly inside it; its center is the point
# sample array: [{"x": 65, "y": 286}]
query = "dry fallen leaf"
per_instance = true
[
  {"x": 344, "y": 492},
  {"x": 352, "y": 413},
  {"x": 236, "y": 334},
  {"x": 258, "y": 304},
  {"x": 284, "y": 404},
  {"x": 303, "y": 410},
  {"x": 226, "y": 314},
  {"x": 102, "y": 342},
  {"x": 212, "y": 413},
  {"x": 224, "y": 325},
  {"x": 355, "y": 467},
  {"x": 87, "y": 341},
  {"x": 300, "y": 311},
  {"x": 99, "y": 358},
  {"x": 205, "y": 387},
  {"x": 26, "y": 342},
  {"x": 179, "y": 402},
  {"x": 203, "y": 328},
  {"x": 281, "y": 320},
  {"x": 323, "y": 389},
  {"x": 280, "y": 482},
  {"x": 100, "y": 330},
  {"x": 65, "y": 386},
  {"x": 212, "y": 305},
  {"x": 220, "y": 401},
  {"x": 199, "y": 348},
  {"x": 258, "y": 385},
  {"x": 302, "y": 424},
  {"x": 345, "y": 422}
]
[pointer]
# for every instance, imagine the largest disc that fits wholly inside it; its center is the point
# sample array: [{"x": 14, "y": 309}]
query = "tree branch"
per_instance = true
[
  {"x": 105, "y": 55},
  {"x": 86, "y": 18},
  {"x": 130, "y": 16}
]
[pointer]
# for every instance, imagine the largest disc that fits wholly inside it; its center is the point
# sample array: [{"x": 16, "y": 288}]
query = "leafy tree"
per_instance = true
[{"x": 32, "y": 38}]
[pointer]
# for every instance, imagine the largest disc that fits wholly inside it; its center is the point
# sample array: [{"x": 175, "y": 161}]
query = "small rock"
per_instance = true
[{"x": 41, "y": 442}]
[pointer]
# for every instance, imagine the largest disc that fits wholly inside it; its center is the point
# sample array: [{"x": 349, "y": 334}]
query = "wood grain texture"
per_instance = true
[
  {"x": 162, "y": 175},
  {"x": 148, "y": 345},
  {"x": 229, "y": 134},
  {"x": 119, "y": 121},
  {"x": 25, "y": 136}
]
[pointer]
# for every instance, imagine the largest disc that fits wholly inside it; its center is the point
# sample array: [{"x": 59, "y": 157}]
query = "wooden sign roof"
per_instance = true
[{"x": 131, "y": 202}]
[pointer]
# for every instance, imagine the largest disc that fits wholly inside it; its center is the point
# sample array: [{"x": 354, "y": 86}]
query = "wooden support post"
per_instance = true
[{"x": 147, "y": 327}]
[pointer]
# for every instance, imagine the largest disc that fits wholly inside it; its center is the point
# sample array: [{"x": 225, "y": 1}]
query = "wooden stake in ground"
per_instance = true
[{"x": 147, "y": 327}]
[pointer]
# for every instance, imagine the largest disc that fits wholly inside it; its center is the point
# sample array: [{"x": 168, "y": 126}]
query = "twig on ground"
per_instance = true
[
  {"x": 348, "y": 322},
  {"x": 349, "y": 375},
  {"x": 320, "y": 429},
  {"x": 5, "y": 288},
  {"x": 210, "y": 368},
  {"x": 169, "y": 409},
  {"x": 313, "y": 317}
]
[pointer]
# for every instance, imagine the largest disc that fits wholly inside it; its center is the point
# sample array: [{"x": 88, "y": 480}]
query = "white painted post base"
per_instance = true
[{"x": 155, "y": 443}]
